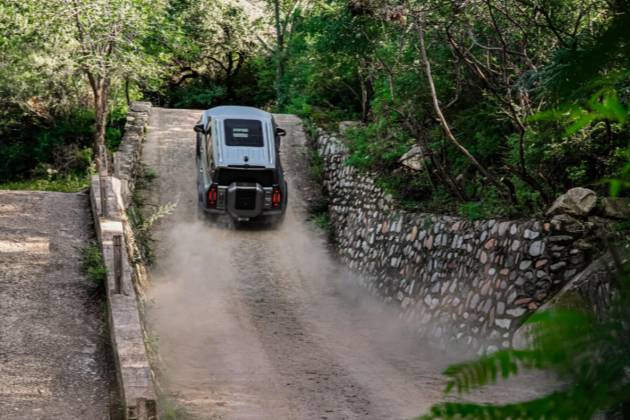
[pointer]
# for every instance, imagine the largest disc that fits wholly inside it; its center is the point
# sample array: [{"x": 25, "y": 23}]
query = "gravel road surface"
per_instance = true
[
  {"x": 264, "y": 323},
  {"x": 54, "y": 348}
]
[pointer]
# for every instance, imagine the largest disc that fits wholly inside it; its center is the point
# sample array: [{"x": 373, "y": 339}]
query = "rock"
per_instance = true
[
  {"x": 561, "y": 239},
  {"x": 474, "y": 301},
  {"x": 516, "y": 312},
  {"x": 503, "y": 323},
  {"x": 536, "y": 248},
  {"x": 503, "y": 228},
  {"x": 414, "y": 233},
  {"x": 575, "y": 202},
  {"x": 500, "y": 308},
  {"x": 523, "y": 301},
  {"x": 558, "y": 266},
  {"x": 140, "y": 106},
  {"x": 414, "y": 158},
  {"x": 345, "y": 125},
  {"x": 531, "y": 234},
  {"x": 541, "y": 263},
  {"x": 616, "y": 208}
]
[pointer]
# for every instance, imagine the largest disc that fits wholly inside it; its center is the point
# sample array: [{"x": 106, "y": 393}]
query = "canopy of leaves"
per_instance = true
[{"x": 506, "y": 74}]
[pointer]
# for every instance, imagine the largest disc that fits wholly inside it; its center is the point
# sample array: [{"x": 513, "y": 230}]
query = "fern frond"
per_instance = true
[
  {"x": 468, "y": 375},
  {"x": 161, "y": 212},
  {"x": 558, "y": 405}
]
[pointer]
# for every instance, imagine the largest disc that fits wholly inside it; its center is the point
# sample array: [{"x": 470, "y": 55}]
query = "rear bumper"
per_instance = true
[
  {"x": 244, "y": 202},
  {"x": 274, "y": 212}
]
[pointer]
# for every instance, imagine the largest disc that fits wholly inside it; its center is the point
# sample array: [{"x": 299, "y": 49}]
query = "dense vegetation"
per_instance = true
[
  {"x": 484, "y": 89},
  {"x": 68, "y": 70},
  {"x": 507, "y": 104},
  {"x": 589, "y": 354}
]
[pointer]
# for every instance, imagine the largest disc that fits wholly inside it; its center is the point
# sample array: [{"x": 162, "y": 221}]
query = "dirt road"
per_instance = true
[
  {"x": 264, "y": 324},
  {"x": 54, "y": 349}
]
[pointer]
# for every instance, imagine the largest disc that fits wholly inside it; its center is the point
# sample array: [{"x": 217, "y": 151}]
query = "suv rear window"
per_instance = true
[
  {"x": 247, "y": 133},
  {"x": 264, "y": 177}
]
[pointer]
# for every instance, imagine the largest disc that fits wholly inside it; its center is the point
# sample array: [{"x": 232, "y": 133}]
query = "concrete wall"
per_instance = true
[
  {"x": 135, "y": 377},
  {"x": 470, "y": 283}
]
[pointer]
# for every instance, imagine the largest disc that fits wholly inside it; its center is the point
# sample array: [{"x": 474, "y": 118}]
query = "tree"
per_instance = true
[
  {"x": 587, "y": 349},
  {"x": 107, "y": 33},
  {"x": 101, "y": 39},
  {"x": 209, "y": 40},
  {"x": 284, "y": 15}
]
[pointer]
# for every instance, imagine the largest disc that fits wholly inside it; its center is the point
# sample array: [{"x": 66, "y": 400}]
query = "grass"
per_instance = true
[
  {"x": 92, "y": 264},
  {"x": 171, "y": 410},
  {"x": 322, "y": 221},
  {"x": 70, "y": 184}
]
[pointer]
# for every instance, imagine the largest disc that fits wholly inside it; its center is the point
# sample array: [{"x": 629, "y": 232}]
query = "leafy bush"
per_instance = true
[
  {"x": 68, "y": 183},
  {"x": 93, "y": 265},
  {"x": 505, "y": 100},
  {"x": 589, "y": 355}
]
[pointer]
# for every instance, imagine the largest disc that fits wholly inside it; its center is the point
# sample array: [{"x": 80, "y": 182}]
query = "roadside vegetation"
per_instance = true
[
  {"x": 587, "y": 353},
  {"x": 483, "y": 90},
  {"x": 501, "y": 106},
  {"x": 93, "y": 267},
  {"x": 480, "y": 92},
  {"x": 141, "y": 218},
  {"x": 585, "y": 348}
]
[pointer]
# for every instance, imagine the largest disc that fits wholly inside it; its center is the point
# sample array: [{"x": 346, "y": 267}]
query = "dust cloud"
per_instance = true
[{"x": 259, "y": 323}]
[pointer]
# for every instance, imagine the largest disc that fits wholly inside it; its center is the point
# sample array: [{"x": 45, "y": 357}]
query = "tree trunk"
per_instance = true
[
  {"x": 279, "y": 51},
  {"x": 127, "y": 97},
  {"x": 229, "y": 82},
  {"x": 367, "y": 92},
  {"x": 447, "y": 130},
  {"x": 101, "y": 91}
]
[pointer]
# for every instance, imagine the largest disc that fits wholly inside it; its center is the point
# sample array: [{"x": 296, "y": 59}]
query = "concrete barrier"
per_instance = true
[
  {"x": 135, "y": 378},
  {"x": 125, "y": 276}
]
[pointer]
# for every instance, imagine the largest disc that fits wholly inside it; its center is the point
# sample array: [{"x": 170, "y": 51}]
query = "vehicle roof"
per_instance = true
[
  {"x": 240, "y": 156},
  {"x": 233, "y": 111}
]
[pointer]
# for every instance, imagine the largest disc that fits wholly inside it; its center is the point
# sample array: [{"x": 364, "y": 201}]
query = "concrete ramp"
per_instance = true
[{"x": 54, "y": 355}]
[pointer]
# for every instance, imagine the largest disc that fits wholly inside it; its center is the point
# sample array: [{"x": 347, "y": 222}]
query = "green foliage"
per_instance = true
[
  {"x": 322, "y": 221},
  {"x": 116, "y": 127},
  {"x": 171, "y": 410},
  {"x": 199, "y": 96},
  {"x": 210, "y": 56},
  {"x": 29, "y": 146},
  {"x": 377, "y": 146},
  {"x": 317, "y": 167},
  {"x": 472, "y": 210},
  {"x": 589, "y": 354},
  {"x": 522, "y": 73},
  {"x": 68, "y": 183},
  {"x": 92, "y": 264},
  {"x": 141, "y": 221}
]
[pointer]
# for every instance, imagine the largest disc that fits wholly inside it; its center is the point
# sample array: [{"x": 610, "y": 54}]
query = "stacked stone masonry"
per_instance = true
[
  {"x": 462, "y": 283},
  {"x": 127, "y": 159}
]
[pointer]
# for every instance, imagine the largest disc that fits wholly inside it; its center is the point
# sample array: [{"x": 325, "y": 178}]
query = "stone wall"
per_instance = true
[
  {"x": 463, "y": 282},
  {"x": 135, "y": 378},
  {"x": 127, "y": 158}
]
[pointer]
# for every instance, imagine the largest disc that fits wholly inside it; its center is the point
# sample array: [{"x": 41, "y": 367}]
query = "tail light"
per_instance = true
[
  {"x": 212, "y": 195},
  {"x": 276, "y": 197}
]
